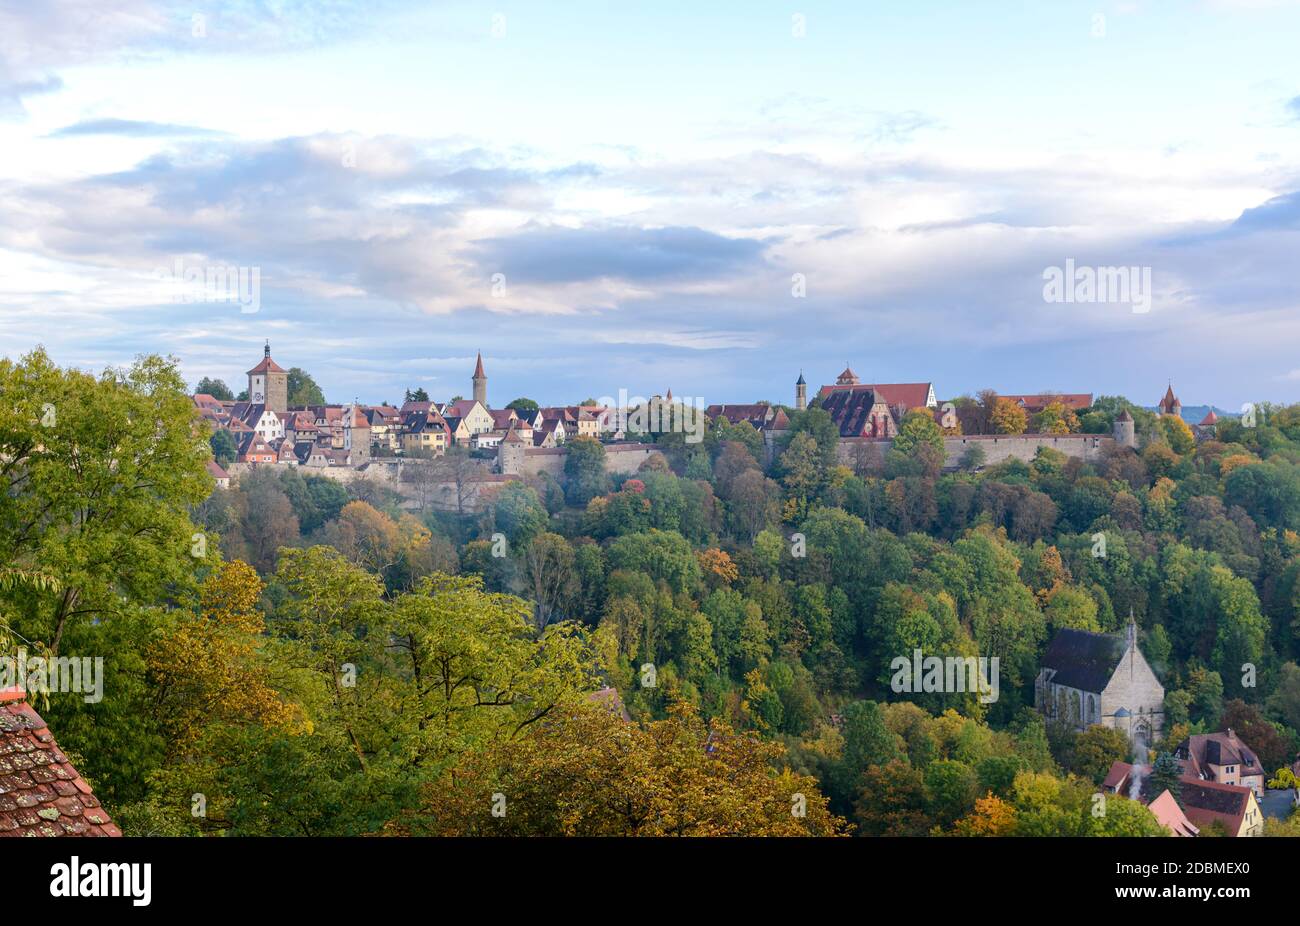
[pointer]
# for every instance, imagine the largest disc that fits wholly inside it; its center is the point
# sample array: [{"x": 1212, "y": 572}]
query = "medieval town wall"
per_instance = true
[{"x": 997, "y": 447}]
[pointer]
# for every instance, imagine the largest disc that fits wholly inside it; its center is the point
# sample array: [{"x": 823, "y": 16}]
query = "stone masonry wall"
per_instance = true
[{"x": 997, "y": 447}]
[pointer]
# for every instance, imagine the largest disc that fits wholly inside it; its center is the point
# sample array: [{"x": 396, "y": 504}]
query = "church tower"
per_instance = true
[
  {"x": 800, "y": 392},
  {"x": 480, "y": 382},
  {"x": 268, "y": 383}
]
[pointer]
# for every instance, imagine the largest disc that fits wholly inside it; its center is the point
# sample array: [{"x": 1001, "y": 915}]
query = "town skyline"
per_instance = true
[{"x": 462, "y": 387}]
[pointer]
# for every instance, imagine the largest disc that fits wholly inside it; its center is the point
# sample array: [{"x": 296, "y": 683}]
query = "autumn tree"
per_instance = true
[
  {"x": 591, "y": 773},
  {"x": 208, "y": 670}
]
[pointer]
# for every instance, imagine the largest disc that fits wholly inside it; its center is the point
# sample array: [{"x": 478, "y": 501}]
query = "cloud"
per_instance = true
[
  {"x": 37, "y": 39},
  {"x": 130, "y": 128},
  {"x": 643, "y": 255},
  {"x": 12, "y": 93},
  {"x": 1293, "y": 107}
]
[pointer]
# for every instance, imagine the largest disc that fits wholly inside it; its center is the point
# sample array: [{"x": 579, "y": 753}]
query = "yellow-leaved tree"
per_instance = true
[{"x": 588, "y": 772}]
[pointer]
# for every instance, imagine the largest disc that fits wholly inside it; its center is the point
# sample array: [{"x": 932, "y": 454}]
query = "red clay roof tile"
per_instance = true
[{"x": 41, "y": 794}]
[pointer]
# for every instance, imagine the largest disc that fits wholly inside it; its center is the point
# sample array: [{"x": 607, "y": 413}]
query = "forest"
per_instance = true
[{"x": 299, "y": 656}]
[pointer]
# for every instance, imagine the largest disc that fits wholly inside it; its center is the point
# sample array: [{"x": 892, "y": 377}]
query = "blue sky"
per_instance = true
[{"x": 602, "y": 196}]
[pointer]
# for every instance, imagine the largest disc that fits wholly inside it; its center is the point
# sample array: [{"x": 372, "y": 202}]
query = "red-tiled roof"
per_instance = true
[
  {"x": 460, "y": 408},
  {"x": 908, "y": 395},
  {"x": 1206, "y": 749},
  {"x": 41, "y": 794},
  {"x": 215, "y": 470},
  {"x": 478, "y": 367},
  {"x": 1117, "y": 776},
  {"x": 1206, "y": 802},
  {"x": 755, "y": 413},
  {"x": 1211, "y": 418},
  {"x": 1077, "y": 401},
  {"x": 1169, "y": 815},
  {"x": 267, "y": 366}
]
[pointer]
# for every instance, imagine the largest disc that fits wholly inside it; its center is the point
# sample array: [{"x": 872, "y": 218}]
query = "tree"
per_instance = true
[
  {"x": 590, "y": 773},
  {"x": 919, "y": 429},
  {"x": 480, "y": 672},
  {"x": 1177, "y": 432},
  {"x": 519, "y": 513},
  {"x": 455, "y": 468},
  {"x": 302, "y": 389},
  {"x": 269, "y": 522},
  {"x": 992, "y": 816},
  {"x": 973, "y": 458},
  {"x": 1273, "y": 748},
  {"x": 1096, "y": 749},
  {"x": 224, "y": 449},
  {"x": 584, "y": 470},
  {"x": 1285, "y": 701},
  {"x": 215, "y": 388},
  {"x": 1166, "y": 775},
  {"x": 892, "y": 801},
  {"x": 867, "y": 741},
  {"x": 207, "y": 670},
  {"x": 753, "y": 504},
  {"x": 524, "y": 405},
  {"x": 1008, "y": 418},
  {"x": 1056, "y": 418},
  {"x": 802, "y": 473},
  {"x": 549, "y": 575},
  {"x": 951, "y": 786},
  {"x": 417, "y": 395},
  {"x": 97, "y": 480}
]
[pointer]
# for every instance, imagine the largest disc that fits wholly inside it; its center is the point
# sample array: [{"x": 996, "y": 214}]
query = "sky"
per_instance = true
[{"x": 703, "y": 197}]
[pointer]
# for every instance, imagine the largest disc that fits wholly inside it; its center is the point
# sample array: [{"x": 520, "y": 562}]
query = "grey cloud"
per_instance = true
[{"x": 566, "y": 255}]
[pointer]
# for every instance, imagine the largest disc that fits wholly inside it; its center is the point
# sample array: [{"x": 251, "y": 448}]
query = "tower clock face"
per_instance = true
[{"x": 257, "y": 396}]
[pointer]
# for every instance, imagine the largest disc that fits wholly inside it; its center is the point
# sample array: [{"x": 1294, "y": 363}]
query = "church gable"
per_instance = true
[{"x": 1133, "y": 671}]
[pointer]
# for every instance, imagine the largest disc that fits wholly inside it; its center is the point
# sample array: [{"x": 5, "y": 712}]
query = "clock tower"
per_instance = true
[{"x": 268, "y": 383}]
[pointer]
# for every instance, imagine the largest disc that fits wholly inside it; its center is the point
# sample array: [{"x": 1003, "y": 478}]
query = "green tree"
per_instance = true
[
  {"x": 1096, "y": 749},
  {"x": 1166, "y": 775},
  {"x": 215, "y": 388},
  {"x": 302, "y": 388},
  {"x": 98, "y": 478},
  {"x": 524, "y": 405},
  {"x": 584, "y": 470},
  {"x": 224, "y": 449}
]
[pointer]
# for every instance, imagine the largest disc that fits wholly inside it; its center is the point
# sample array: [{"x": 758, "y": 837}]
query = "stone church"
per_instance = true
[{"x": 1097, "y": 678}]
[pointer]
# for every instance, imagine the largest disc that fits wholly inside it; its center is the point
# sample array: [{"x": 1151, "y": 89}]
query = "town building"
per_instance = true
[
  {"x": 1231, "y": 806},
  {"x": 268, "y": 383},
  {"x": 1096, "y": 678},
  {"x": 1224, "y": 758}
]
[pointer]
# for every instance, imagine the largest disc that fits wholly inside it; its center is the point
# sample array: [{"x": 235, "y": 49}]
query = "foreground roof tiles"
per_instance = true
[{"x": 41, "y": 794}]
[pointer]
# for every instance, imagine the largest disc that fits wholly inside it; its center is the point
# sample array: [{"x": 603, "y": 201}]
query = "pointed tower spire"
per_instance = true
[{"x": 480, "y": 382}]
